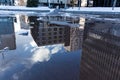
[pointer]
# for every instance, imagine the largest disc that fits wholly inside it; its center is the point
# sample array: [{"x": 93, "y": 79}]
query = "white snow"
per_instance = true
[
  {"x": 94, "y": 9},
  {"x": 21, "y": 9},
  {"x": 4, "y": 12},
  {"x": 24, "y": 8}
]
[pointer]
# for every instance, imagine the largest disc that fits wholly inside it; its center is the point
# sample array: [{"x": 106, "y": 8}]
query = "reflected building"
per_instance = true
[
  {"x": 47, "y": 32},
  {"x": 76, "y": 36},
  {"x": 6, "y": 2},
  {"x": 7, "y": 34},
  {"x": 51, "y": 35},
  {"x": 105, "y": 3},
  {"x": 34, "y": 26},
  {"x": 55, "y": 3},
  {"x": 100, "y": 51},
  {"x": 66, "y": 30}
]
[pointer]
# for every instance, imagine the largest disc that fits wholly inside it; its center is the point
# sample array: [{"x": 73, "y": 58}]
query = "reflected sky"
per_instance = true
[{"x": 30, "y": 62}]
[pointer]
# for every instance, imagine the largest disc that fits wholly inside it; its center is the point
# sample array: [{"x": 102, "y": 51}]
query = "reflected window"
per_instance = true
[
  {"x": 55, "y": 41},
  {"x": 43, "y": 38},
  {"x": 43, "y": 42},
  {"x": 60, "y": 40},
  {"x": 49, "y": 29},
  {"x": 49, "y": 37},
  {"x": 15, "y": 20},
  {"x": 55, "y": 33},
  {"x": 60, "y": 36},
  {"x": 55, "y": 37},
  {"x": 43, "y": 30},
  {"x": 43, "y": 34},
  {"x": 49, "y": 33},
  {"x": 60, "y": 32},
  {"x": 55, "y": 29},
  {"x": 60, "y": 28},
  {"x": 49, "y": 42}
]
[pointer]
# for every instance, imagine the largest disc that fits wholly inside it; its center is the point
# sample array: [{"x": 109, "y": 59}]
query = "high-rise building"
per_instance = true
[{"x": 100, "y": 51}]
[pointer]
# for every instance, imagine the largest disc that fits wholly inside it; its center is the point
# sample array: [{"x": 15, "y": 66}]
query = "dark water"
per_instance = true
[{"x": 61, "y": 66}]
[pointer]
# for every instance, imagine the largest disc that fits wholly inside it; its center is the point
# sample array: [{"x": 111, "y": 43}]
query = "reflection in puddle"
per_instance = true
[
  {"x": 43, "y": 62},
  {"x": 7, "y": 34},
  {"x": 66, "y": 30},
  {"x": 49, "y": 50}
]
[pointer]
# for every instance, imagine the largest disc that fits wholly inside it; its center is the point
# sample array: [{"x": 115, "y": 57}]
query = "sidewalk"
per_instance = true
[
  {"x": 23, "y": 8},
  {"x": 93, "y": 10}
]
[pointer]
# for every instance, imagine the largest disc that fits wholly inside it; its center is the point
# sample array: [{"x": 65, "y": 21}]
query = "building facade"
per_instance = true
[
  {"x": 60, "y": 3},
  {"x": 47, "y": 33},
  {"x": 6, "y": 2},
  {"x": 48, "y": 30},
  {"x": 51, "y": 35},
  {"x": 76, "y": 36},
  {"x": 7, "y": 34},
  {"x": 100, "y": 52}
]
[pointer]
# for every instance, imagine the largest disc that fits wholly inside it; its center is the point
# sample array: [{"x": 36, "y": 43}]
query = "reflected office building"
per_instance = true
[
  {"x": 101, "y": 50},
  {"x": 7, "y": 2},
  {"x": 7, "y": 34},
  {"x": 63, "y": 31}
]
